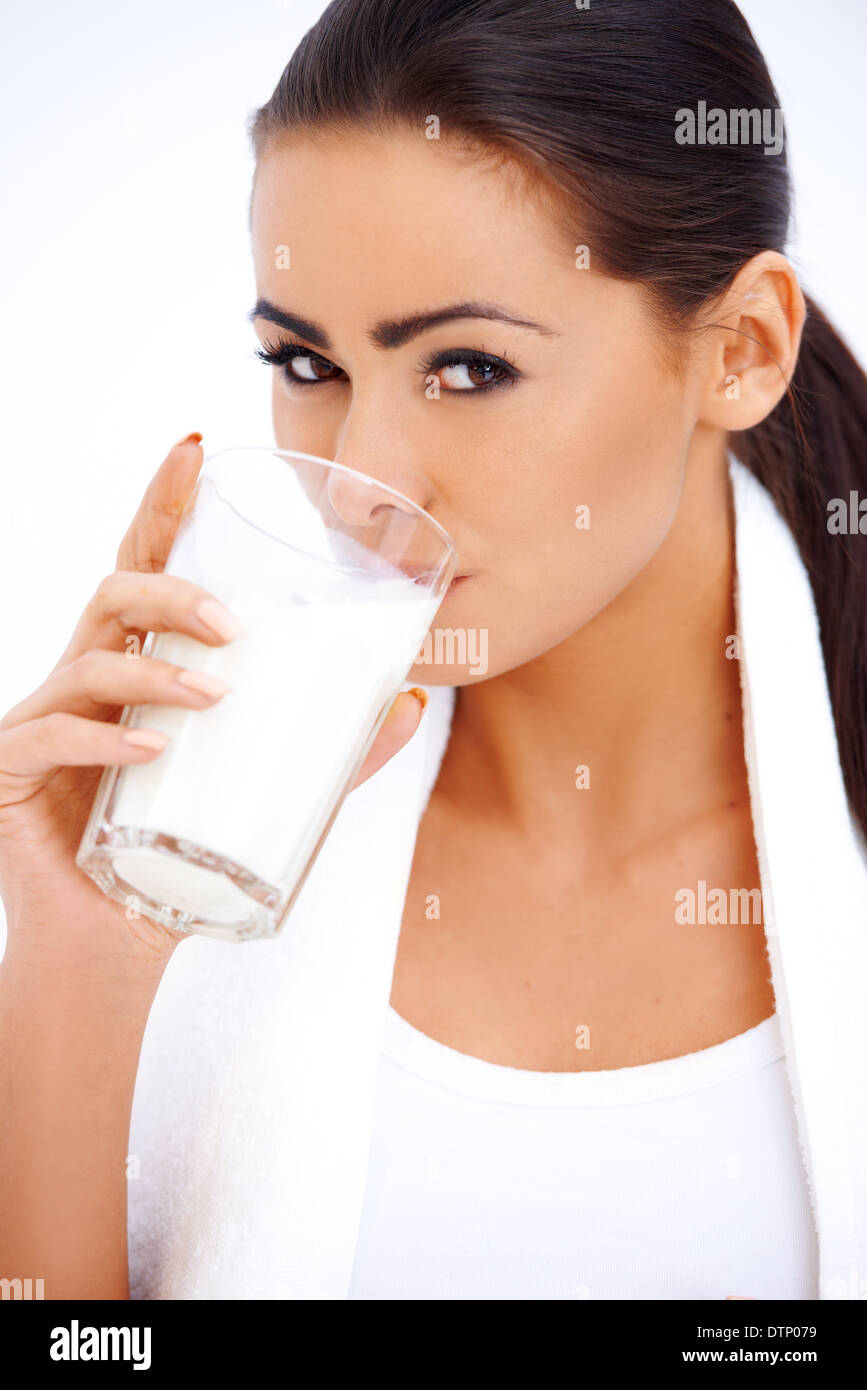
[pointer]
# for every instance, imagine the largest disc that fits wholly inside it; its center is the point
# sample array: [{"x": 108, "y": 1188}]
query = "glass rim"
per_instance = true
[{"x": 343, "y": 468}]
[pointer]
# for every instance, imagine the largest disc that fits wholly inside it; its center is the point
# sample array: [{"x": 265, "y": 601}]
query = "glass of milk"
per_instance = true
[{"x": 336, "y": 579}]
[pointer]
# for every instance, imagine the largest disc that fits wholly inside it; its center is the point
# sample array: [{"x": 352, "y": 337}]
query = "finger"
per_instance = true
[
  {"x": 29, "y": 751},
  {"x": 149, "y": 537},
  {"x": 128, "y": 604},
  {"x": 398, "y": 727},
  {"x": 99, "y": 681}
]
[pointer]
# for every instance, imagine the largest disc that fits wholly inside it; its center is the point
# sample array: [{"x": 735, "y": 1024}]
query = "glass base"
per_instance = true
[{"x": 179, "y": 884}]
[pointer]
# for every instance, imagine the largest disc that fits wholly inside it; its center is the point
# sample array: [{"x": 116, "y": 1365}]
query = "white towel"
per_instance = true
[
  {"x": 253, "y": 1106},
  {"x": 814, "y": 870}
]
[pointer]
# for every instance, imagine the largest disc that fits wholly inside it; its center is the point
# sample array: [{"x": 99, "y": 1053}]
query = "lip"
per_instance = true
[{"x": 458, "y": 579}]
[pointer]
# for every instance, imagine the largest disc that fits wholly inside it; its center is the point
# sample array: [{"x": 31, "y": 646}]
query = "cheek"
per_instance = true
[
  {"x": 628, "y": 473},
  {"x": 588, "y": 501},
  {"x": 306, "y": 425},
  {"x": 285, "y": 431}
]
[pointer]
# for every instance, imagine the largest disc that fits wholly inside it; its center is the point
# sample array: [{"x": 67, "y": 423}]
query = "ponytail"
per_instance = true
[{"x": 811, "y": 453}]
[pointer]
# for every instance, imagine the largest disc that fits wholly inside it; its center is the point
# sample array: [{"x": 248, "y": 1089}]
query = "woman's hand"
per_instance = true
[{"x": 55, "y": 743}]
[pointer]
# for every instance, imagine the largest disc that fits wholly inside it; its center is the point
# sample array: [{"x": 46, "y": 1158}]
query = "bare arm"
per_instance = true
[{"x": 69, "y": 1046}]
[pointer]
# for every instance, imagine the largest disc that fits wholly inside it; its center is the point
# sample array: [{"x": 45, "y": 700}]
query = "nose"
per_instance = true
[
  {"x": 383, "y": 521},
  {"x": 365, "y": 500},
  {"x": 391, "y": 467},
  {"x": 377, "y": 439},
  {"x": 378, "y": 502}
]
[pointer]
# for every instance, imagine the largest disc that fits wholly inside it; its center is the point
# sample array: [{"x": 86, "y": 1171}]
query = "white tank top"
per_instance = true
[{"x": 674, "y": 1180}]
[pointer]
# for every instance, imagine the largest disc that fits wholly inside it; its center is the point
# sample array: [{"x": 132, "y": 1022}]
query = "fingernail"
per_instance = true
[
  {"x": 145, "y": 738},
  {"x": 219, "y": 619},
  {"x": 420, "y": 695},
  {"x": 194, "y": 438},
  {"x": 200, "y": 680}
]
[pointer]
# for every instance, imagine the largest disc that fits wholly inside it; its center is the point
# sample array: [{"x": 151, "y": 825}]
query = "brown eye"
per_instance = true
[
  {"x": 470, "y": 372},
  {"x": 467, "y": 376},
  {"x": 306, "y": 366}
]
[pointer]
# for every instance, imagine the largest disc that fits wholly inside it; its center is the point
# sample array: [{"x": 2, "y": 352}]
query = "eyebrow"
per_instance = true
[{"x": 393, "y": 333}]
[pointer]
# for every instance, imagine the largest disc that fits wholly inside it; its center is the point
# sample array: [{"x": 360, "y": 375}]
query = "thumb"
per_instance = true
[
  {"x": 148, "y": 540},
  {"x": 397, "y": 728}
]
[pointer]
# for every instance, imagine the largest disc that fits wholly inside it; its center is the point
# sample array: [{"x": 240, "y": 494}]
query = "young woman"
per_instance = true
[{"x": 519, "y": 1039}]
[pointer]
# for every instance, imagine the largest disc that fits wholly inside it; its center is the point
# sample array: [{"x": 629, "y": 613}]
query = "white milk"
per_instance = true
[
  {"x": 254, "y": 777},
  {"x": 331, "y": 631}
]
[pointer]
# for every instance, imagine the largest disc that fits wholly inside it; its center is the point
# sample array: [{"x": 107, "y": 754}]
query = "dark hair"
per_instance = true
[{"x": 584, "y": 101}]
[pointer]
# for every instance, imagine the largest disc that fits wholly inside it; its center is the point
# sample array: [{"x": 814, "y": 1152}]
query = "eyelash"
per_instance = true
[{"x": 284, "y": 353}]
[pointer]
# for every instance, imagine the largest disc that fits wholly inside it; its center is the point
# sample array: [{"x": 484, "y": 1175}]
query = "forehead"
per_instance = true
[{"x": 363, "y": 209}]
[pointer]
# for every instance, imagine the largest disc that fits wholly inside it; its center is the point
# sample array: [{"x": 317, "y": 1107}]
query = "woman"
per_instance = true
[{"x": 523, "y": 262}]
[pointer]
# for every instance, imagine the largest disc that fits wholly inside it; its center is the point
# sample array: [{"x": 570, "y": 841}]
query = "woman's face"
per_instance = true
[{"x": 402, "y": 255}]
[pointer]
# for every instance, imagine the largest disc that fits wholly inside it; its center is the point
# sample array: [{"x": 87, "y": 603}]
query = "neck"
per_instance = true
[{"x": 643, "y": 696}]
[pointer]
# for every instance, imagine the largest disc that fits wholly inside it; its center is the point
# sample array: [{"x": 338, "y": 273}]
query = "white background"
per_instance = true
[{"x": 126, "y": 271}]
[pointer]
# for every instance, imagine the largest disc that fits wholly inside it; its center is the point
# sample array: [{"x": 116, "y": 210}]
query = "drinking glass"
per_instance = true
[{"x": 336, "y": 579}]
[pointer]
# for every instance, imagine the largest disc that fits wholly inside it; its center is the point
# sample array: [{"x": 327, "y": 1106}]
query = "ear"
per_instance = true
[{"x": 752, "y": 343}]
